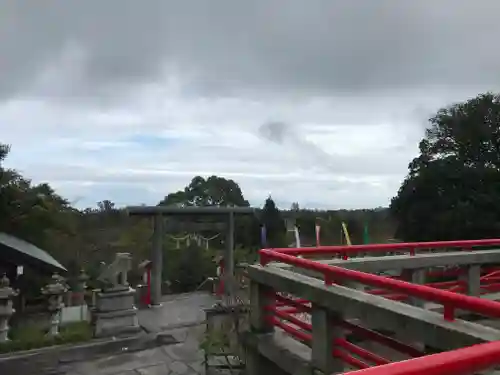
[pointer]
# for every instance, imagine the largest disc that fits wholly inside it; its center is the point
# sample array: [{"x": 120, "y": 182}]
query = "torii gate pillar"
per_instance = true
[
  {"x": 159, "y": 212},
  {"x": 228, "y": 275},
  {"x": 157, "y": 260}
]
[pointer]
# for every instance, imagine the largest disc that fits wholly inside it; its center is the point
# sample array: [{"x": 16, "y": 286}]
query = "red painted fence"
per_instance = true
[
  {"x": 489, "y": 283},
  {"x": 463, "y": 361},
  {"x": 411, "y": 247},
  {"x": 284, "y": 317}
]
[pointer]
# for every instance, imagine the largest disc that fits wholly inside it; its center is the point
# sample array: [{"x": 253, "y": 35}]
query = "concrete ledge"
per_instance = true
[
  {"x": 119, "y": 331},
  {"x": 117, "y": 292},
  {"x": 417, "y": 325},
  {"x": 46, "y": 359},
  {"x": 290, "y": 356},
  {"x": 116, "y": 313}
]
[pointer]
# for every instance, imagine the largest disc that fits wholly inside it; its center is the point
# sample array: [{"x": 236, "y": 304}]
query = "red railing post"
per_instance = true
[
  {"x": 328, "y": 279},
  {"x": 264, "y": 259},
  {"x": 449, "y": 312}
]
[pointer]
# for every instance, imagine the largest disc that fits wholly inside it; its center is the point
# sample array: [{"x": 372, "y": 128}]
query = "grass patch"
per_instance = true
[{"x": 32, "y": 337}]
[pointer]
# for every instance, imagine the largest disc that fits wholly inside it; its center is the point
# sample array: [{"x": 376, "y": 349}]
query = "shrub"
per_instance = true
[{"x": 31, "y": 336}]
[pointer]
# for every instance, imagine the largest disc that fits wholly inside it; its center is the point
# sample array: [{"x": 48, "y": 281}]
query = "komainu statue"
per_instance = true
[{"x": 114, "y": 275}]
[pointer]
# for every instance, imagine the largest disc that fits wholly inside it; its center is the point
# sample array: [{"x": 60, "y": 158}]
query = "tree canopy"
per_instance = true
[
  {"x": 213, "y": 191},
  {"x": 452, "y": 189},
  {"x": 29, "y": 210},
  {"x": 275, "y": 226}
]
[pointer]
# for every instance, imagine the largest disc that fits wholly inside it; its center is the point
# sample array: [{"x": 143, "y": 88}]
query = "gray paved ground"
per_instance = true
[
  {"x": 176, "y": 311},
  {"x": 184, "y": 358},
  {"x": 180, "y": 316}
]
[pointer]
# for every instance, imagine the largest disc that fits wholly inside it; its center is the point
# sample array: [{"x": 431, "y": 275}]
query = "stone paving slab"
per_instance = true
[
  {"x": 176, "y": 311},
  {"x": 184, "y": 358}
]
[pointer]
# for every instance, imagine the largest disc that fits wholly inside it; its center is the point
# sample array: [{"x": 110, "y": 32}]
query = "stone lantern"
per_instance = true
[
  {"x": 81, "y": 286},
  {"x": 82, "y": 279},
  {"x": 6, "y": 309},
  {"x": 54, "y": 292}
]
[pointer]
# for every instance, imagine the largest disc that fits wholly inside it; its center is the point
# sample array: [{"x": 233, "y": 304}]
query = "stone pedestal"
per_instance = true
[{"x": 115, "y": 313}]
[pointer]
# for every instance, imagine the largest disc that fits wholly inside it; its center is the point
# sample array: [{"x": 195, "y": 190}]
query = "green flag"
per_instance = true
[{"x": 366, "y": 235}]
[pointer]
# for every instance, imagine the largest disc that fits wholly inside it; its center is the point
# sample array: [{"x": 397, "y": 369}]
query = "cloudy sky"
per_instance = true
[{"x": 321, "y": 102}]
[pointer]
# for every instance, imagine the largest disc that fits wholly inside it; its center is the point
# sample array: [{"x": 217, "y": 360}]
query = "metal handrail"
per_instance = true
[
  {"x": 465, "y": 361},
  {"x": 386, "y": 246},
  {"x": 331, "y": 273}
]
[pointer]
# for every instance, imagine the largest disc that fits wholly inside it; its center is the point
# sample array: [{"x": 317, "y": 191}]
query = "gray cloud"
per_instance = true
[
  {"x": 313, "y": 157},
  {"x": 326, "y": 64},
  {"x": 276, "y": 131},
  {"x": 285, "y": 135},
  {"x": 252, "y": 47}
]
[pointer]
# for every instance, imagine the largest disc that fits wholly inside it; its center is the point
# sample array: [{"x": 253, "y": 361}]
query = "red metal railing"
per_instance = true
[
  {"x": 411, "y": 247},
  {"x": 449, "y": 300},
  {"x": 344, "y": 350},
  {"x": 282, "y": 316},
  {"x": 489, "y": 283},
  {"x": 458, "y": 362},
  {"x": 465, "y": 361}
]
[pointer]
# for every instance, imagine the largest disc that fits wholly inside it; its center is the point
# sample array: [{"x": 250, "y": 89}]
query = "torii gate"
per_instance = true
[{"x": 158, "y": 214}]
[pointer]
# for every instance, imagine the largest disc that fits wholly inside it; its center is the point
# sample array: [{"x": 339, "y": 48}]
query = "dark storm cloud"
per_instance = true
[{"x": 246, "y": 47}]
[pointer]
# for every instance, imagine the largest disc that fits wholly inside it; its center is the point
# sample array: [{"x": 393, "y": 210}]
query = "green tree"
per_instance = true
[
  {"x": 275, "y": 226},
  {"x": 106, "y": 206},
  {"x": 452, "y": 190},
  {"x": 34, "y": 213},
  {"x": 187, "y": 268},
  {"x": 213, "y": 191},
  {"x": 217, "y": 191},
  {"x": 28, "y": 210}
]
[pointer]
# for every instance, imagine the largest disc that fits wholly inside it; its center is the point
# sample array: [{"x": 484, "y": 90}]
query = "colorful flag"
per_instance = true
[
  {"x": 346, "y": 234},
  {"x": 263, "y": 236},
  {"x": 297, "y": 236},
  {"x": 366, "y": 235}
]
